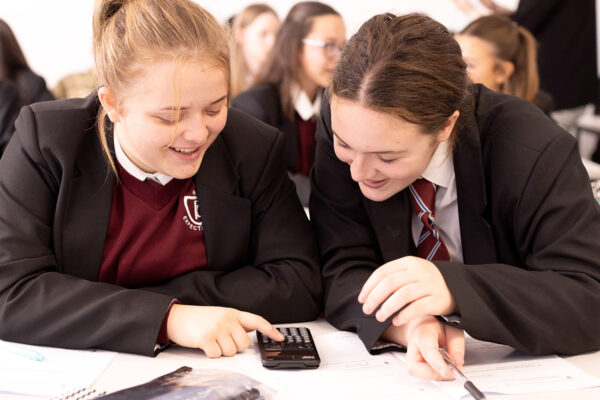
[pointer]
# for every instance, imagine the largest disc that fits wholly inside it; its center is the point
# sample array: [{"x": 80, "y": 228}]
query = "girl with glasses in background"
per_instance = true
[{"x": 287, "y": 93}]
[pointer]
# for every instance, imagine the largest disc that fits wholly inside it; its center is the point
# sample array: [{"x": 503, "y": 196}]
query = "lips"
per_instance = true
[
  {"x": 375, "y": 184},
  {"x": 186, "y": 153}
]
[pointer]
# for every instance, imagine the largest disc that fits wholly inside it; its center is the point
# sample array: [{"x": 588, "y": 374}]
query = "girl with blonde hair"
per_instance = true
[{"x": 148, "y": 213}]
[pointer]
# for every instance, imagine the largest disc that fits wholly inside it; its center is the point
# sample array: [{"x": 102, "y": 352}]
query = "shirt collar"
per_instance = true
[
  {"x": 302, "y": 104},
  {"x": 440, "y": 169},
  {"x": 134, "y": 170}
]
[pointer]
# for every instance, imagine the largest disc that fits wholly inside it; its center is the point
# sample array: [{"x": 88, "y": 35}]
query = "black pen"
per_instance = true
[{"x": 468, "y": 385}]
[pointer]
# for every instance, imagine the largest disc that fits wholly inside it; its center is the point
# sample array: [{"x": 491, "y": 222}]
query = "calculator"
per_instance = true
[{"x": 298, "y": 350}]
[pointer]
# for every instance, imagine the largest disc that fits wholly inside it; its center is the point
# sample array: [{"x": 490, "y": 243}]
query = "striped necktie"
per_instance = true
[{"x": 430, "y": 245}]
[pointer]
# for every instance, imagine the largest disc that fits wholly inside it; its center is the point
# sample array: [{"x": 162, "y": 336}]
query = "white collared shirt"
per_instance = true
[
  {"x": 440, "y": 171},
  {"x": 134, "y": 170},
  {"x": 302, "y": 104}
]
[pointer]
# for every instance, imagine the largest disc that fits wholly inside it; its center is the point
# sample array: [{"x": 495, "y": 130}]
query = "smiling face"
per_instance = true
[
  {"x": 385, "y": 153},
  {"x": 146, "y": 121},
  {"x": 316, "y": 67}
]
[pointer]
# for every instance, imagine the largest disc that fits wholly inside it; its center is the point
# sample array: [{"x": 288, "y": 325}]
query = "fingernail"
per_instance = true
[
  {"x": 459, "y": 358},
  {"x": 361, "y": 298},
  {"x": 367, "y": 310},
  {"x": 443, "y": 371}
]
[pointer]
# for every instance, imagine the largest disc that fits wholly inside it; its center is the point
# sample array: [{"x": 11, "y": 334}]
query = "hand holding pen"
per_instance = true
[
  {"x": 22, "y": 351},
  {"x": 457, "y": 373}
]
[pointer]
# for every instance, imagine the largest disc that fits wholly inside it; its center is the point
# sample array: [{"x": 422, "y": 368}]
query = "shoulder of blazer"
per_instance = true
[
  {"x": 510, "y": 119},
  {"x": 248, "y": 140},
  {"x": 262, "y": 101},
  {"x": 56, "y": 130}
]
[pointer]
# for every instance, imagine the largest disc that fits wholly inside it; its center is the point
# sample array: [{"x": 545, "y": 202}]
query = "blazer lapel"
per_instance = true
[
  {"x": 226, "y": 217},
  {"x": 391, "y": 220},
  {"x": 476, "y": 233},
  {"x": 87, "y": 211}
]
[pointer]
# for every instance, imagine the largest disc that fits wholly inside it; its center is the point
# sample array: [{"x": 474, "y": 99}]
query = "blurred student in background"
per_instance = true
[
  {"x": 10, "y": 103},
  {"x": 79, "y": 84},
  {"x": 502, "y": 56},
  {"x": 253, "y": 33},
  {"x": 288, "y": 90},
  {"x": 14, "y": 67}
]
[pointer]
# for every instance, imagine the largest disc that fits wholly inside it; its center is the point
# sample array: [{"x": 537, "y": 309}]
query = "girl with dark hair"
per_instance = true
[
  {"x": 287, "y": 92},
  {"x": 14, "y": 67},
  {"x": 503, "y": 56},
  {"x": 442, "y": 207},
  {"x": 149, "y": 213}
]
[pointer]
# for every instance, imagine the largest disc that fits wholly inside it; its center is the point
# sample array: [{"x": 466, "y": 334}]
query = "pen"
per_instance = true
[
  {"x": 468, "y": 385},
  {"x": 22, "y": 351}
]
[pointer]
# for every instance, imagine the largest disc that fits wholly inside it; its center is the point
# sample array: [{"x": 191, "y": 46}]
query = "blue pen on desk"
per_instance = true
[
  {"x": 22, "y": 351},
  {"x": 468, "y": 385}
]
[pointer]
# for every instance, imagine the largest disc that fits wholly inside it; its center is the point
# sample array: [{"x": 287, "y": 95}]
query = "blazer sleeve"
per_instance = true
[
  {"x": 39, "y": 304},
  {"x": 347, "y": 243},
  {"x": 549, "y": 301},
  {"x": 280, "y": 279}
]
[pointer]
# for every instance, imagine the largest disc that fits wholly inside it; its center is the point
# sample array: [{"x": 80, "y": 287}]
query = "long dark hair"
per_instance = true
[
  {"x": 282, "y": 67},
  {"x": 12, "y": 60},
  {"x": 409, "y": 66}
]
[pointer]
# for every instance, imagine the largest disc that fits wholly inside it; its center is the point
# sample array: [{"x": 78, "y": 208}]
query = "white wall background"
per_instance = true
[{"x": 56, "y": 35}]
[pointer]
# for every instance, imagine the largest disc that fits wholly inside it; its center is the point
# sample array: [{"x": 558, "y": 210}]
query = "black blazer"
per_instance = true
[
  {"x": 32, "y": 87},
  {"x": 566, "y": 33},
  {"x": 55, "y": 201},
  {"x": 529, "y": 224},
  {"x": 263, "y": 102}
]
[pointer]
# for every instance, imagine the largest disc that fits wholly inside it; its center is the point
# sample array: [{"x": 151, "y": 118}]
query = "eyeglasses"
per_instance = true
[{"x": 331, "y": 50}]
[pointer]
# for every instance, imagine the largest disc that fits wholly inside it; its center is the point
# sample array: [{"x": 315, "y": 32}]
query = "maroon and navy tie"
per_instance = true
[{"x": 430, "y": 245}]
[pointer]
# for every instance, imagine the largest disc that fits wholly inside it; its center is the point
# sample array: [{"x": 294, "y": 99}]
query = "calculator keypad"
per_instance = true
[{"x": 295, "y": 339}]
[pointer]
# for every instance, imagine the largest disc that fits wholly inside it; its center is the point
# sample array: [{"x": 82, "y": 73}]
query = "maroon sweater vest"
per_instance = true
[
  {"x": 306, "y": 144},
  {"x": 154, "y": 232}
]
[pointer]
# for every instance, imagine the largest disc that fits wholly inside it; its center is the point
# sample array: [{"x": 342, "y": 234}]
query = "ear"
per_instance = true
[
  {"x": 238, "y": 36},
  {"x": 109, "y": 103},
  {"x": 503, "y": 71},
  {"x": 448, "y": 127}
]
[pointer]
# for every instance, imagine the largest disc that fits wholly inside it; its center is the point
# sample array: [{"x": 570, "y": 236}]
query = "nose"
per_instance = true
[
  {"x": 195, "y": 130},
  {"x": 359, "y": 167}
]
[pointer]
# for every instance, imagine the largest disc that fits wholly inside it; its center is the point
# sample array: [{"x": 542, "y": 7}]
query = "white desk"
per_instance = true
[{"x": 128, "y": 370}]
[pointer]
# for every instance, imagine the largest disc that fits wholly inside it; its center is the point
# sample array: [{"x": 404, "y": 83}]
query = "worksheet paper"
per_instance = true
[
  {"x": 499, "y": 369},
  {"x": 347, "y": 371},
  {"x": 60, "y": 371}
]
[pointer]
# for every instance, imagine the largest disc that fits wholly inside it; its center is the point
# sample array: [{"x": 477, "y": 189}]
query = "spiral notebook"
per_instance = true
[
  {"x": 58, "y": 371},
  {"x": 80, "y": 394}
]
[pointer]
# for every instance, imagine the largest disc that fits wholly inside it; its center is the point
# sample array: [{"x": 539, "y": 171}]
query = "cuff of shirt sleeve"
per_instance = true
[
  {"x": 382, "y": 346},
  {"x": 163, "y": 339},
  {"x": 450, "y": 319}
]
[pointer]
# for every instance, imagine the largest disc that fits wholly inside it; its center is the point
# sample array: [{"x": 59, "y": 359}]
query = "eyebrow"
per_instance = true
[
  {"x": 369, "y": 152},
  {"x": 171, "y": 108}
]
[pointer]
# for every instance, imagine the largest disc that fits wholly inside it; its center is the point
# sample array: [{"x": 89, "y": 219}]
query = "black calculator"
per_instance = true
[{"x": 298, "y": 350}]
